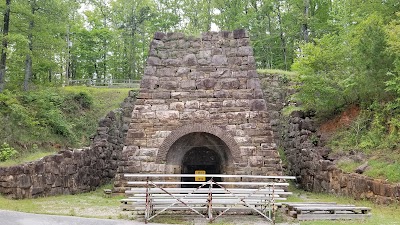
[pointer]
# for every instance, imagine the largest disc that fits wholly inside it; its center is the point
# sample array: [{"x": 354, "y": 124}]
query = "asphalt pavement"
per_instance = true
[{"x": 19, "y": 218}]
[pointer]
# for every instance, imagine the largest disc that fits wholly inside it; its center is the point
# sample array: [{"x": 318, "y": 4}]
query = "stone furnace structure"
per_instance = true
[{"x": 200, "y": 107}]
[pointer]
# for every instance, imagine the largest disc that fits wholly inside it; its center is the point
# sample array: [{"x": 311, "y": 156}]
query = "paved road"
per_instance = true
[{"x": 19, "y": 218}]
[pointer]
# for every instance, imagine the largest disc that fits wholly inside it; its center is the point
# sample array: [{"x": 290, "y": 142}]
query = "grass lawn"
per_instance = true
[
  {"x": 94, "y": 204},
  {"x": 91, "y": 204}
]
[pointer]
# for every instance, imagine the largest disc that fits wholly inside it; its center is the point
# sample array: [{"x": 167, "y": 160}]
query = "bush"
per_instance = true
[
  {"x": 84, "y": 100},
  {"x": 6, "y": 152}
]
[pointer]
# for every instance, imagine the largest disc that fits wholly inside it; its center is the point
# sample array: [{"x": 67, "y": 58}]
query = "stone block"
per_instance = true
[
  {"x": 268, "y": 146},
  {"x": 168, "y": 85},
  {"x": 161, "y": 134},
  {"x": 167, "y": 115},
  {"x": 147, "y": 115},
  {"x": 8, "y": 181},
  {"x": 153, "y": 61},
  {"x": 149, "y": 168},
  {"x": 179, "y": 95},
  {"x": 177, "y": 106},
  {"x": 196, "y": 75},
  {"x": 253, "y": 83},
  {"x": 241, "y": 33},
  {"x": 154, "y": 142},
  {"x": 243, "y": 103},
  {"x": 190, "y": 60},
  {"x": 247, "y": 150},
  {"x": 258, "y": 105},
  {"x": 182, "y": 71},
  {"x": 227, "y": 84},
  {"x": 159, "y": 35},
  {"x": 188, "y": 84},
  {"x": 159, "y": 107},
  {"x": 228, "y": 103},
  {"x": 201, "y": 115},
  {"x": 207, "y": 83},
  {"x": 204, "y": 54},
  {"x": 219, "y": 60},
  {"x": 165, "y": 73},
  {"x": 245, "y": 51},
  {"x": 187, "y": 115},
  {"x": 24, "y": 181},
  {"x": 172, "y": 62},
  {"x": 195, "y": 104},
  {"x": 156, "y": 44},
  {"x": 242, "y": 140},
  {"x": 269, "y": 153},
  {"x": 149, "y": 82},
  {"x": 256, "y": 161},
  {"x": 162, "y": 94},
  {"x": 221, "y": 94}
]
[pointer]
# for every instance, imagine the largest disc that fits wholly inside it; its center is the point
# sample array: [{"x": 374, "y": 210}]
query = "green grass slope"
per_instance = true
[{"x": 36, "y": 123}]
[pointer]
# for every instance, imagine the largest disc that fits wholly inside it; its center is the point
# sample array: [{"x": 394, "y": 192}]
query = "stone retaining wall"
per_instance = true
[
  {"x": 76, "y": 170},
  {"x": 308, "y": 159},
  {"x": 316, "y": 172}
]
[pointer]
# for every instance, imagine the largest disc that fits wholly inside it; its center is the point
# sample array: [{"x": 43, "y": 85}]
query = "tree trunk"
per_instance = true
[
  {"x": 132, "y": 69},
  {"x": 270, "y": 64},
  {"x": 304, "y": 26},
  {"x": 282, "y": 37},
  {"x": 68, "y": 61},
  {"x": 28, "y": 60},
  {"x": 3, "y": 56},
  {"x": 208, "y": 25},
  {"x": 28, "y": 71},
  {"x": 50, "y": 74}
]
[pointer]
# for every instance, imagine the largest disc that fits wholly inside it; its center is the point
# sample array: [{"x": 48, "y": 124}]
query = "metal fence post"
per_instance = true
[{"x": 209, "y": 206}]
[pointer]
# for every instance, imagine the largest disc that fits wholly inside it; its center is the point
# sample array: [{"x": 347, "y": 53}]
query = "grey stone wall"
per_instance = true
[{"x": 73, "y": 170}]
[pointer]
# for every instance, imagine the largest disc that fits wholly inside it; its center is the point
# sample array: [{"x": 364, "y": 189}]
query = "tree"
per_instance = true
[
  {"x": 132, "y": 21},
  {"x": 3, "y": 57}
]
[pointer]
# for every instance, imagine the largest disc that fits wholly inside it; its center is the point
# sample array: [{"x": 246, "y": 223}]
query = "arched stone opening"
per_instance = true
[
  {"x": 212, "y": 135},
  {"x": 200, "y": 159},
  {"x": 199, "y": 151}
]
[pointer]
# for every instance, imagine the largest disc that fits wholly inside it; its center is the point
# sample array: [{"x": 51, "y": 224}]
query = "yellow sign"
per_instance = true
[{"x": 198, "y": 177}]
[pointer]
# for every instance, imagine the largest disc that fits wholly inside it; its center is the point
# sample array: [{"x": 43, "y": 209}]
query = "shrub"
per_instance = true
[
  {"x": 6, "y": 152},
  {"x": 84, "y": 100}
]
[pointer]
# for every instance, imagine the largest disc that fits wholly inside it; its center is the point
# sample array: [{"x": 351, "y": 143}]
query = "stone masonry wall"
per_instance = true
[
  {"x": 76, "y": 170},
  {"x": 310, "y": 162},
  {"x": 308, "y": 159},
  {"x": 206, "y": 84}
]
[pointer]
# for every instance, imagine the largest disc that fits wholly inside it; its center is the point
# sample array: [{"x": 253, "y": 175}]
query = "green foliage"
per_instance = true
[
  {"x": 282, "y": 155},
  {"x": 377, "y": 127},
  {"x": 375, "y": 133},
  {"x": 83, "y": 99},
  {"x": 323, "y": 88},
  {"x": 37, "y": 120},
  {"x": 6, "y": 152},
  {"x": 24, "y": 157},
  {"x": 384, "y": 170},
  {"x": 350, "y": 66},
  {"x": 348, "y": 166}
]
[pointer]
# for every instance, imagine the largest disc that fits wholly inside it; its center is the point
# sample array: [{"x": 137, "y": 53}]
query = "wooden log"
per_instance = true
[
  {"x": 331, "y": 216},
  {"x": 333, "y": 207}
]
